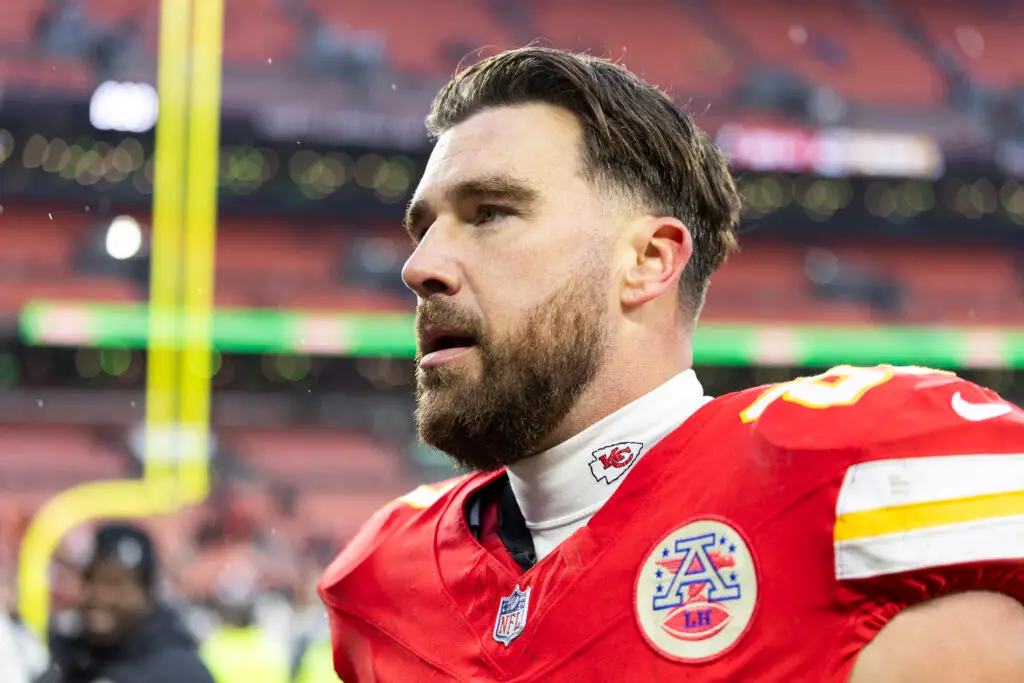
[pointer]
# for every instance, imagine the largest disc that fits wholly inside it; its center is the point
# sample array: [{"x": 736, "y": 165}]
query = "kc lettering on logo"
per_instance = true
[
  {"x": 611, "y": 462},
  {"x": 618, "y": 457}
]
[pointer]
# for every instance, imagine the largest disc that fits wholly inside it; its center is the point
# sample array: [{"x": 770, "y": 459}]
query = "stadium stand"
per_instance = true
[
  {"x": 663, "y": 43},
  {"x": 828, "y": 44},
  {"x": 985, "y": 37},
  {"x": 20, "y": 21},
  {"x": 54, "y": 459},
  {"x": 418, "y": 38},
  {"x": 261, "y": 34},
  {"x": 260, "y": 264},
  {"x": 320, "y": 459},
  {"x": 812, "y": 39}
]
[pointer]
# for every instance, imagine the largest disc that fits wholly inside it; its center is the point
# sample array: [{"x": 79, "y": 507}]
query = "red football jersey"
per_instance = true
[{"x": 767, "y": 539}]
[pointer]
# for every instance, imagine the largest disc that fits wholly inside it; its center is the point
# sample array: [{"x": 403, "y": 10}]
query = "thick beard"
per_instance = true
[{"x": 530, "y": 380}]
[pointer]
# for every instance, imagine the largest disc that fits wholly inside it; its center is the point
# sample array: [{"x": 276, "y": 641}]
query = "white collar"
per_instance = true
[{"x": 569, "y": 482}]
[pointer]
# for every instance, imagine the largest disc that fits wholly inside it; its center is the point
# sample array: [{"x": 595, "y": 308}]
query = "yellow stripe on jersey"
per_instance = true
[
  {"x": 894, "y": 520},
  {"x": 899, "y": 515}
]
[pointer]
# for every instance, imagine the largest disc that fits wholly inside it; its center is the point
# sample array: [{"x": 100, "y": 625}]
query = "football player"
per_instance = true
[{"x": 863, "y": 525}]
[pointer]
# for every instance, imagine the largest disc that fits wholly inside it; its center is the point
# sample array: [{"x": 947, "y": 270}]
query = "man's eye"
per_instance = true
[{"x": 487, "y": 213}]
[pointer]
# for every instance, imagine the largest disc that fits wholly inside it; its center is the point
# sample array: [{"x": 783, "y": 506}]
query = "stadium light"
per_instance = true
[
  {"x": 129, "y": 107},
  {"x": 6, "y": 144},
  {"x": 124, "y": 238}
]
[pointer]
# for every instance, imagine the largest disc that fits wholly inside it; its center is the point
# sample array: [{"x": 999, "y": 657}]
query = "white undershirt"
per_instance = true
[{"x": 560, "y": 489}]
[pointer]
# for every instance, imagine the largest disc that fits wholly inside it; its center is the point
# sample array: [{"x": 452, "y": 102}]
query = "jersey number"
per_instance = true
[{"x": 841, "y": 386}]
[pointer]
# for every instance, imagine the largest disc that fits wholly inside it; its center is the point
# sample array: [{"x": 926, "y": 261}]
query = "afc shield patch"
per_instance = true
[
  {"x": 512, "y": 613},
  {"x": 696, "y": 592}
]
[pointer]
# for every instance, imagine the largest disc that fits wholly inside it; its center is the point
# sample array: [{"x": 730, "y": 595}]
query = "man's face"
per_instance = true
[
  {"x": 513, "y": 271},
  {"x": 114, "y": 602}
]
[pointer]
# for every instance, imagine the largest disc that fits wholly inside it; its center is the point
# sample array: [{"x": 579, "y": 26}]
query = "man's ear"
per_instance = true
[{"x": 662, "y": 247}]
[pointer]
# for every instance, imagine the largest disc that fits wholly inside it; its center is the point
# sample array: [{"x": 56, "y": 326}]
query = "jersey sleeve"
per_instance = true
[{"x": 932, "y": 502}]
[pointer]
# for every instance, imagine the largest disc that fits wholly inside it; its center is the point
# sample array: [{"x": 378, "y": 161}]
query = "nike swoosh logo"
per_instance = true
[{"x": 978, "y": 412}]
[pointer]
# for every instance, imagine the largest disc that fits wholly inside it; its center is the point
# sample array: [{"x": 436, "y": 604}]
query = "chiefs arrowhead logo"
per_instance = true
[{"x": 611, "y": 462}]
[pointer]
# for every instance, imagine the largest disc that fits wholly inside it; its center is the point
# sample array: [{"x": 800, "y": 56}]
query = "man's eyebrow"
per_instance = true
[{"x": 494, "y": 188}]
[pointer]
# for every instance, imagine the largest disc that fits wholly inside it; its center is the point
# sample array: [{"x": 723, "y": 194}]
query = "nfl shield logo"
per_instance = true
[{"x": 512, "y": 616}]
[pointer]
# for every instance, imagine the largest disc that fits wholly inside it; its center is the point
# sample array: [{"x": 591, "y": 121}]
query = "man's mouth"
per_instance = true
[{"x": 439, "y": 345}]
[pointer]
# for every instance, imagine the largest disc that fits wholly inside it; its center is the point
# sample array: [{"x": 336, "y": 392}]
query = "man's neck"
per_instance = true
[
  {"x": 627, "y": 375},
  {"x": 559, "y": 489}
]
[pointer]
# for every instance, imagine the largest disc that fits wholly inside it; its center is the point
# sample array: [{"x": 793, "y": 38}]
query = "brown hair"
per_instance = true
[{"x": 634, "y": 138}]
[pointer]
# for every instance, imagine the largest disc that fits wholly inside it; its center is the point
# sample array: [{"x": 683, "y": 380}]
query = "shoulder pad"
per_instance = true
[
  {"x": 927, "y": 470},
  {"x": 398, "y": 513},
  {"x": 937, "y": 485},
  {"x": 839, "y": 408}
]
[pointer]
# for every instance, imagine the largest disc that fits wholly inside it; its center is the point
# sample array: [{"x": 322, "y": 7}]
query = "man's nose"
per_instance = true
[{"x": 432, "y": 268}]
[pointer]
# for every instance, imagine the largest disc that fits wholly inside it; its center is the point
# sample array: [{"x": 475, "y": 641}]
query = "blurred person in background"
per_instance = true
[
  {"x": 22, "y": 657},
  {"x": 125, "y": 634},
  {"x": 311, "y": 658},
  {"x": 564, "y": 232},
  {"x": 316, "y": 664},
  {"x": 240, "y": 650}
]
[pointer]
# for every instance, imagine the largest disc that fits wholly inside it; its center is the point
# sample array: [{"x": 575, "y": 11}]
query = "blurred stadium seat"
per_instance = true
[
  {"x": 986, "y": 37},
  {"x": 54, "y": 459},
  {"x": 839, "y": 44},
  {"x": 418, "y": 38}
]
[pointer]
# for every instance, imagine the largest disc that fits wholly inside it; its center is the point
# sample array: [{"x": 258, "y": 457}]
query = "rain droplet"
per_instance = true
[
  {"x": 50, "y": 215},
  {"x": 132, "y": 403},
  {"x": 39, "y": 403}
]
